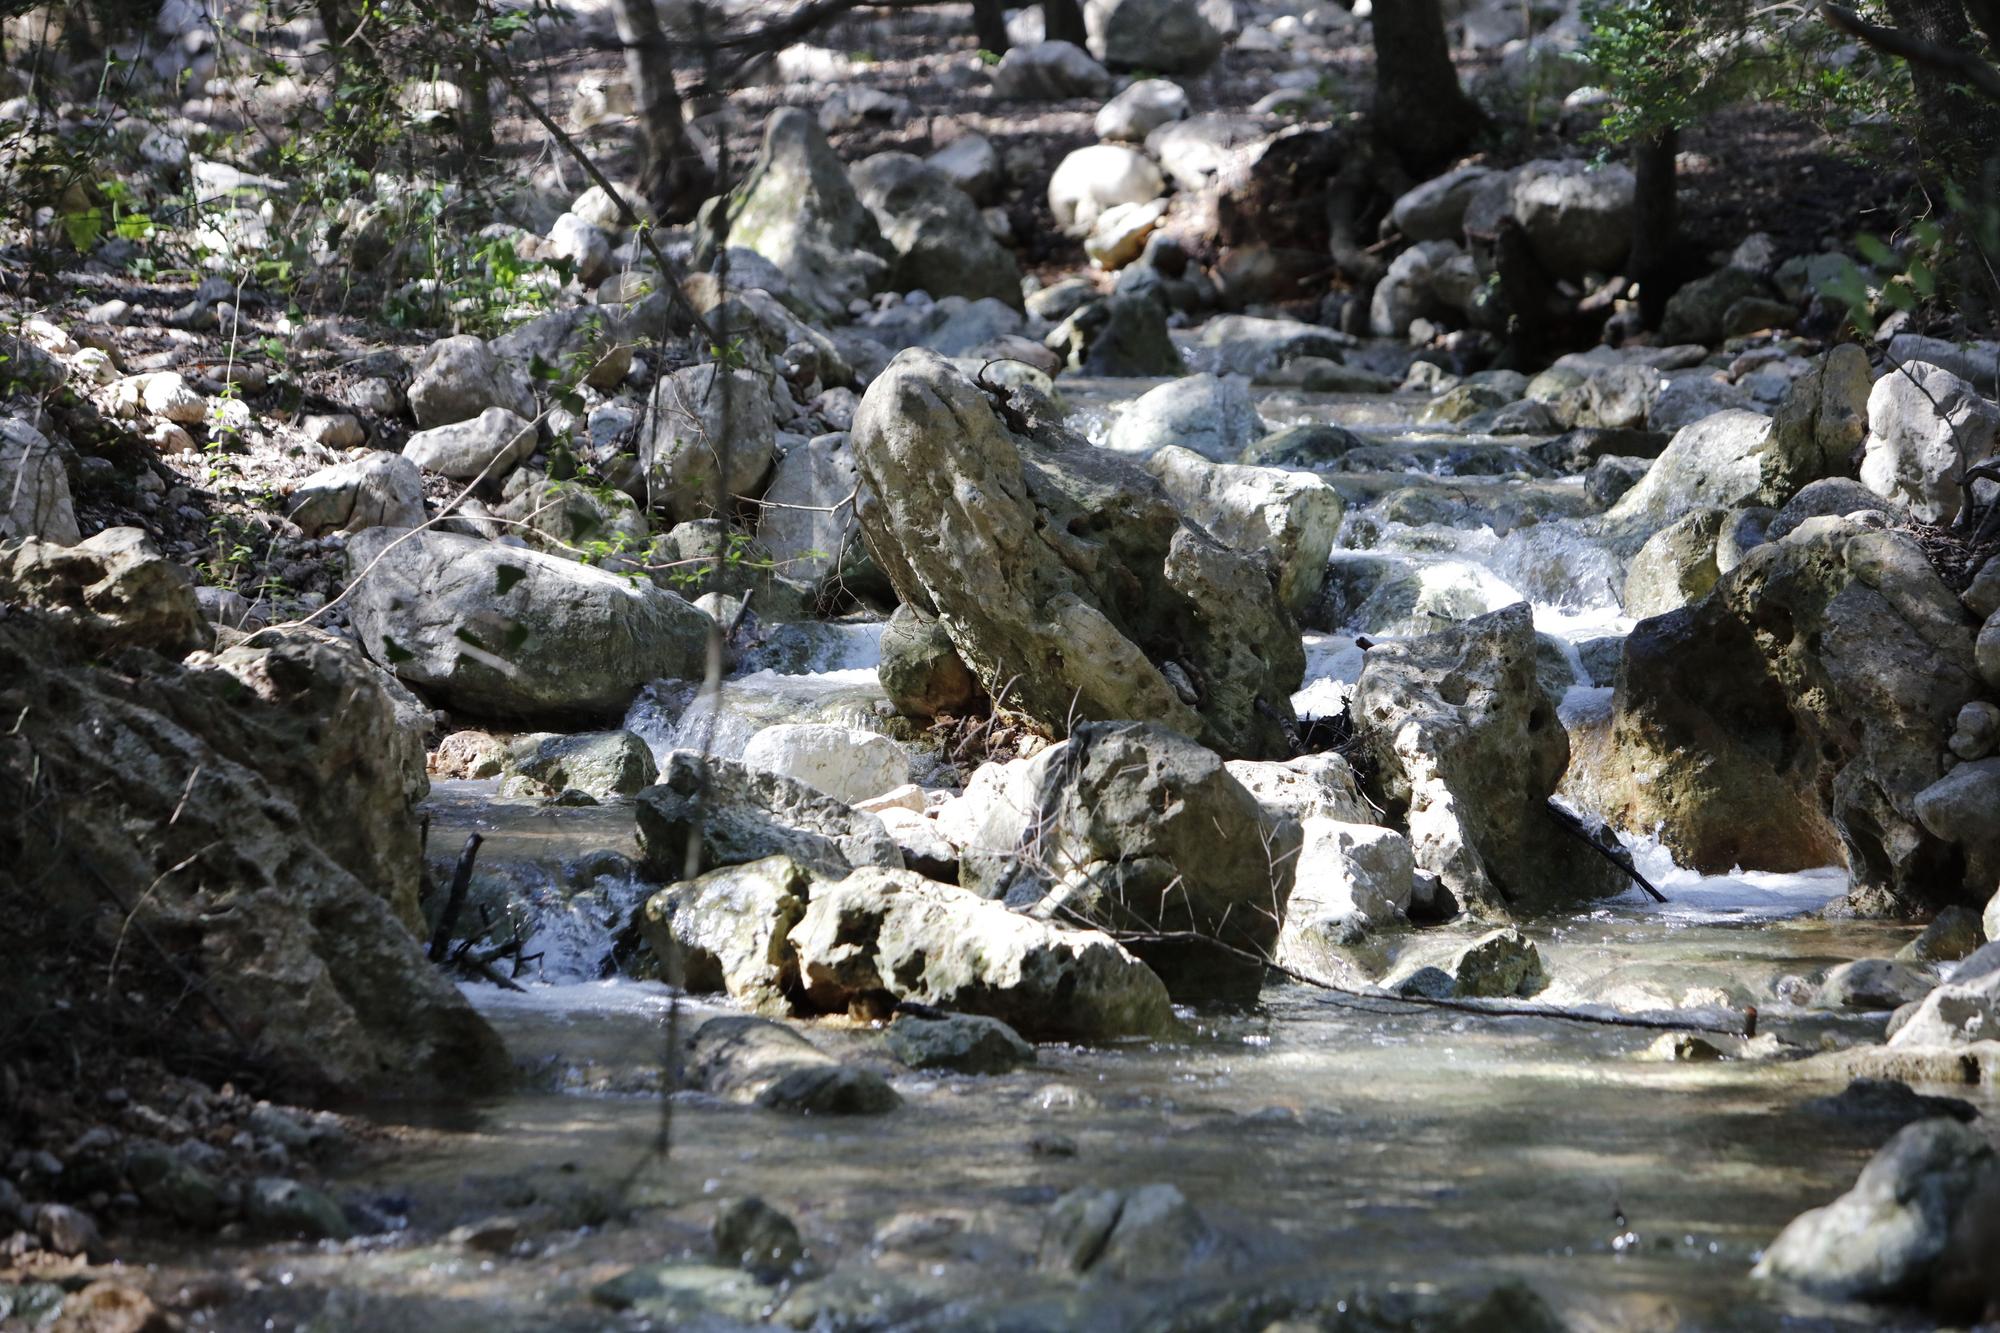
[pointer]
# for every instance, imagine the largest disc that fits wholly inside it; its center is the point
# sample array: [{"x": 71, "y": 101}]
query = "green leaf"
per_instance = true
[{"x": 1876, "y": 251}]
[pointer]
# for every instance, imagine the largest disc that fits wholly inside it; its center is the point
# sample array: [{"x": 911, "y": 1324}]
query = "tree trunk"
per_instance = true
[
  {"x": 989, "y": 25},
  {"x": 1421, "y": 112},
  {"x": 1655, "y": 222},
  {"x": 1062, "y": 21},
  {"x": 675, "y": 178},
  {"x": 475, "y": 112}
]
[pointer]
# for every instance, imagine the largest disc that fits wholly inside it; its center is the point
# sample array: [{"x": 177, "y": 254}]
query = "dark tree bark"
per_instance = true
[
  {"x": 1655, "y": 222},
  {"x": 1062, "y": 21},
  {"x": 468, "y": 71},
  {"x": 1421, "y": 112},
  {"x": 989, "y": 25},
  {"x": 676, "y": 178}
]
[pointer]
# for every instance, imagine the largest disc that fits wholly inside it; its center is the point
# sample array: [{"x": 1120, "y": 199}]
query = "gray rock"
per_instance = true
[
  {"x": 1165, "y": 36},
  {"x": 1697, "y": 312},
  {"x": 1976, "y": 732},
  {"x": 1255, "y": 346},
  {"x": 1726, "y": 460},
  {"x": 1435, "y": 210},
  {"x": 1829, "y": 497},
  {"x": 281, "y": 1207},
  {"x": 1953, "y": 934},
  {"x": 1049, "y": 72},
  {"x": 1194, "y": 151},
  {"x": 754, "y": 1061},
  {"x": 377, "y": 490},
  {"x": 458, "y": 378},
  {"x": 1213, "y": 417},
  {"x": 1685, "y": 400},
  {"x": 35, "y": 486},
  {"x": 1964, "y": 1009},
  {"x": 1975, "y": 361},
  {"x": 1130, "y": 614},
  {"x": 1468, "y": 748},
  {"x": 1925, "y": 427},
  {"x": 1871, "y": 984},
  {"x": 1150, "y": 1233},
  {"x": 1292, "y": 518},
  {"x": 1676, "y": 566},
  {"x": 937, "y": 241},
  {"x": 489, "y": 445},
  {"x": 1143, "y": 107},
  {"x": 1501, "y": 964},
  {"x": 1887, "y": 1103},
  {"x": 846, "y": 763},
  {"x": 606, "y": 764},
  {"x": 971, "y": 163},
  {"x": 730, "y": 927},
  {"x": 1578, "y": 219},
  {"x": 921, "y": 671},
  {"x": 112, "y": 591},
  {"x": 699, "y": 433},
  {"x": 1882, "y": 1240},
  {"x": 761, "y": 1241},
  {"x": 1124, "y": 334},
  {"x": 747, "y": 815},
  {"x": 963, "y": 1043},
  {"x": 510, "y": 634},
  {"x": 1963, "y": 808}
]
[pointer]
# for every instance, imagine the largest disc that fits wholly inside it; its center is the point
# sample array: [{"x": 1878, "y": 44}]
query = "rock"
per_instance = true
[
  {"x": 804, "y": 527},
  {"x": 893, "y": 933},
  {"x": 1291, "y": 517},
  {"x": 731, "y": 926},
  {"x": 1963, "y": 808},
  {"x": 1724, "y": 461},
  {"x": 1213, "y": 417},
  {"x": 971, "y": 163},
  {"x": 280, "y": 1207},
  {"x": 695, "y": 430},
  {"x": 1883, "y": 1238},
  {"x": 489, "y": 445},
  {"x": 921, "y": 671},
  {"x": 606, "y": 764},
  {"x": 1350, "y": 877},
  {"x": 377, "y": 490},
  {"x": 1964, "y": 1009},
  {"x": 1578, "y": 219},
  {"x": 1976, "y": 733},
  {"x": 748, "y": 814},
  {"x": 1976, "y": 361},
  {"x": 1140, "y": 109},
  {"x": 1165, "y": 36},
  {"x": 511, "y": 634},
  {"x": 1304, "y": 447},
  {"x": 1435, "y": 210},
  {"x": 1988, "y": 651},
  {"x": 845, "y": 763},
  {"x": 36, "y": 487},
  {"x": 111, "y": 591},
  {"x": 1676, "y": 566},
  {"x": 66, "y": 1230},
  {"x": 1193, "y": 152},
  {"x": 1430, "y": 279},
  {"x": 762, "y": 1241},
  {"x": 1148, "y": 1234},
  {"x": 1685, "y": 400},
  {"x": 1312, "y": 785},
  {"x": 853, "y": 108},
  {"x": 754, "y": 1061},
  {"x": 1119, "y": 235},
  {"x": 1887, "y": 1103},
  {"x": 1697, "y": 312},
  {"x": 1829, "y": 497},
  {"x": 1468, "y": 748},
  {"x": 1925, "y": 426},
  {"x": 1680, "y": 1048},
  {"x": 1058, "y": 302},
  {"x": 936, "y": 239},
  {"x": 1953, "y": 934},
  {"x": 686, "y": 1295},
  {"x": 1982, "y": 595},
  {"x": 1092, "y": 179},
  {"x": 962, "y": 1043},
  {"x": 1797, "y": 711},
  {"x": 583, "y": 246},
  {"x": 797, "y": 209},
  {"x": 1138, "y": 828},
  {"x": 1125, "y": 334},
  {"x": 1501, "y": 964},
  {"x": 1130, "y": 613},
  {"x": 1258, "y": 347},
  {"x": 1870, "y": 984},
  {"x": 459, "y": 377},
  {"x": 1049, "y": 72},
  {"x": 573, "y": 519}
]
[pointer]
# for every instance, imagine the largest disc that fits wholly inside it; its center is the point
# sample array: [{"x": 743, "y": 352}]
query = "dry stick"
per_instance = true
[
  {"x": 1624, "y": 863},
  {"x": 454, "y": 903}
]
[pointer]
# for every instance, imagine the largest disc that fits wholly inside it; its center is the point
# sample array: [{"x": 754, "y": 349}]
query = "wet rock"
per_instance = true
[
  {"x": 1796, "y": 713},
  {"x": 511, "y": 634},
  {"x": 1291, "y": 517},
  {"x": 1925, "y": 426},
  {"x": 1213, "y": 417},
  {"x": 1124, "y": 334},
  {"x": 762, "y": 1241},
  {"x": 963, "y": 1043},
  {"x": 1871, "y": 984},
  {"x": 1049, "y": 72},
  {"x": 1965, "y": 1009},
  {"x": 1887, "y": 1103},
  {"x": 798, "y": 209},
  {"x": 757, "y": 1062},
  {"x": 731, "y": 926},
  {"x": 1142, "y": 108},
  {"x": 1676, "y": 566},
  {"x": 168, "y": 1184},
  {"x": 1680, "y": 1048},
  {"x": 378, "y": 490},
  {"x": 1883, "y": 1238},
  {"x": 112, "y": 591},
  {"x": 921, "y": 671},
  {"x": 936, "y": 239},
  {"x": 846, "y": 763},
  {"x": 1167, "y": 36},
  {"x": 1101, "y": 176},
  {"x": 35, "y": 486},
  {"x": 1953, "y": 934},
  {"x": 606, "y": 764},
  {"x": 1109, "y": 604},
  {"x": 894, "y": 934},
  {"x": 1303, "y": 447},
  {"x": 1578, "y": 219},
  {"x": 488, "y": 445},
  {"x": 281, "y": 1207},
  {"x": 699, "y": 433},
  {"x": 1499, "y": 965},
  {"x": 1148, "y": 1233},
  {"x": 687, "y": 1295},
  {"x": 747, "y": 815},
  {"x": 460, "y": 377},
  {"x": 1468, "y": 748}
]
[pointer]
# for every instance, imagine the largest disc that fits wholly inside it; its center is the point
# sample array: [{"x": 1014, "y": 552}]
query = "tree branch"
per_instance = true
[{"x": 1947, "y": 59}]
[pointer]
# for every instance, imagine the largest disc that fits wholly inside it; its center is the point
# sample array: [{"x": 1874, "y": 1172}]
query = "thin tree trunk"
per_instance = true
[
  {"x": 989, "y": 25},
  {"x": 1062, "y": 21},
  {"x": 475, "y": 112},
  {"x": 1655, "y": 222},
  {"x": 675, "y": 179},
  {"x": 1421, "y": 112}
]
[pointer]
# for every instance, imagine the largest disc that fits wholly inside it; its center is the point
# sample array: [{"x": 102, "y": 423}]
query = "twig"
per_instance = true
[
  {"x": 454, "y": 903},
  {"x": 1569, "y": 825}
]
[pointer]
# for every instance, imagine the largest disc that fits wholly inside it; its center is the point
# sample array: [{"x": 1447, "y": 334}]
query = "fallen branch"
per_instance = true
[
  {"x": 454, "y": 903},
  {"x": 1572, "y": 826}
]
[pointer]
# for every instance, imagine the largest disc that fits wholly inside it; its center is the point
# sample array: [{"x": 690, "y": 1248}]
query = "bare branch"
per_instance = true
[{"x": 1947, "y": 59}]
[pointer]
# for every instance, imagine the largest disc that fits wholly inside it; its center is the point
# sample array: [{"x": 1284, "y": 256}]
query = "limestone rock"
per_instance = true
[
  {"x": 731, "y": 927},
  {"x": 1167, "y": 36},
  {"x": 937, "y": 240},
  {"x": 1578, "y": 219},
  {"x": 747, "y": 815},
  {"x": 1049, "y": 72},
  {"x": 847, "y": 764},
  {"x": 1093, "y": 179},
  {"x": 921, "y": 671},
  {"x": 962, "y": 1043},
  {"x": 1123, "y": 334},
  {"x": 1142, "y": 108},
  {"x": 1291, "y": 517},
  {"x": 1213, "y": 417},
  {"x": 460, "y": 377},
  {"x": 707, "y": 425},
  {"x": 1925, "y": 427},
  {"x": 1676, "y": 566},
  {"x": 604, "y": 764},
  {"x": 377, "y": 490},
  {"x": 756, "y": 1062},
  {"x": 489, "y": 445},
  {"x": 113, "y": 591},
  {"x": 35, "y": 486}
]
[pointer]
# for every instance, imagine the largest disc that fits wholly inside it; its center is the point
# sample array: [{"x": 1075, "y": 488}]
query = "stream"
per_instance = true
[{"x": 1334, "y": 1144}]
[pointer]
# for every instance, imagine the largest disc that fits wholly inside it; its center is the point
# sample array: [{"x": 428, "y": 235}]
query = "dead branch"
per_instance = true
[
  {"x": 454, "y": 903},
  {"x": 1946, "y": 59}
]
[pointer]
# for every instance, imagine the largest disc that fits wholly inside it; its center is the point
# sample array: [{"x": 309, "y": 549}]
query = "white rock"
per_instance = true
[
  {"x": 1352, "y": 870},
  {"x": 1101, "y": 176},
  {"x": 600, "y": 210},
  {"x": 1925, "y": 425},
  {"x": 583, "y": 245},
  {"x": 1212, "y": 415},
  {"x": 844, "y": 762},
  {"x": 1141, "y": 109},
  {"x": 166, "y": 395},
  {"x": 493, "y": 443},
  {"x": 1119, "y": 236}
]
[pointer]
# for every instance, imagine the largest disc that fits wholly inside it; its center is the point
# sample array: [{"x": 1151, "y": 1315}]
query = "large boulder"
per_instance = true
[
  {"x": 1165, "y": 36},
  {"x": 1213, "y": 417},
  {"x": 1467, "y": 749},
  {"x": 1965, "y": 1009},
  {"x": 1435, "y": 210},
  {"x": 731, "y": 928},
  {"x": 1797, "y": 712},
  {"x": 1140, "y": 830},
  {"x": 509, "y": 634},
  {"x": 844, "y": 762},
  {"x": 1828, "y": 405},
  {"x": 1723, "y": 461},
  {"x": 747, "y": 814},
  {"x": 458, "y": 378},
  {"x": 798, "y": 209},
  {"x": 1123, "y": 334},
  {"x": 1926, "y": 426},
  {"x": 1291, "y": 518},
  {"x": 227, "y": 811},
  {"x": 1094, "y": 599},
  {"x": 807, "y": 523},
  {"x": 604, "y": 765},
  {"x": 1049, "y": 72},
  {"x": 938, "y": 241},
  {"x": 485, "y": 446},
  {"x": 112, "y": 591},
  {"x": 34, "y": 488},
  {"x": 1676, "y": 566},
  {"x": 1578, "y": 218},
  {"x": 377, "y": 490},
  {"x": 1884, "y": 1238},
  {"x": 707, "y": 424},
  {"x": 892, "y": 934}
]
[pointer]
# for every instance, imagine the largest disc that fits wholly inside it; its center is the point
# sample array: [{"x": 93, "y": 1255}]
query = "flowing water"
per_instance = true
[{"x": 1337, "y": 1146}]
